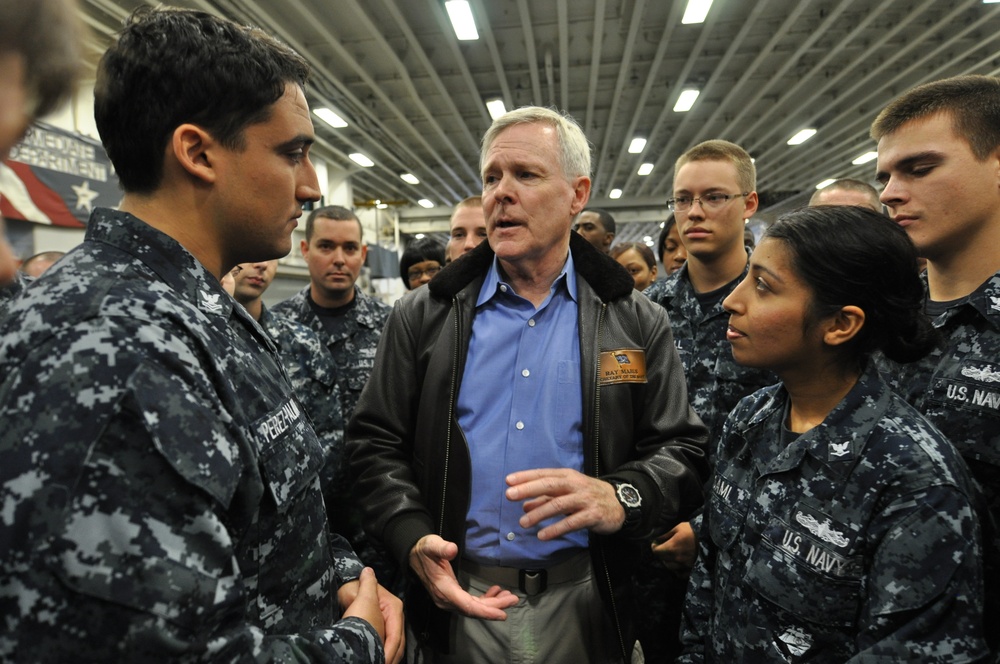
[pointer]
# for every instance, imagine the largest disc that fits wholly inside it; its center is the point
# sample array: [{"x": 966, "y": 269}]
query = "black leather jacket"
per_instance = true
[{"x": 411, "y": 460}]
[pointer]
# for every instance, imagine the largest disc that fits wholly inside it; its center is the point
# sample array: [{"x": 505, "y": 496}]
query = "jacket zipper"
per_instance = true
[
  {"x": 626, "y": 658},
  {"x": 451, "y": 413}
]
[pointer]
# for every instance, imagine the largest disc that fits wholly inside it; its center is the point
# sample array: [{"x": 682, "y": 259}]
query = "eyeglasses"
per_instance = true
[
  {"x": 413, "y": 275},
  {"x": 707, "y": 202}
]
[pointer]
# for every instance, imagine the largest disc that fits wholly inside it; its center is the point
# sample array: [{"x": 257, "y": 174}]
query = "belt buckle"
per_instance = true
[{"x": 532, "y": 581}]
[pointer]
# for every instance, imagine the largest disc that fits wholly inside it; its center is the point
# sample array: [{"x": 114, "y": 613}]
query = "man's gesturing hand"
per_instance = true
[
  {"x": 585, "y": 502},
  {"x": 431, "y": 559}
]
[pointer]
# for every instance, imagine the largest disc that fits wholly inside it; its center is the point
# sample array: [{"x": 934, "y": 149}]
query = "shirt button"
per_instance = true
[
  {"x": 519, "y": 425},
  {"x": 531, "y": 323},
  {"x": 503, "y": 289},
  {"x": 510, "y": 537},
  {"x": 525, "y": 373}
]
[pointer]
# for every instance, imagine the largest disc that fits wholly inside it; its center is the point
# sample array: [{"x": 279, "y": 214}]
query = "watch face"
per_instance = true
[{"x": 629, "y": 495}]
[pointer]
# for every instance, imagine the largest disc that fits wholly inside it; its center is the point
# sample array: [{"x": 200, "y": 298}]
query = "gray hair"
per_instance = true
[{"x": 575, "y": 148}]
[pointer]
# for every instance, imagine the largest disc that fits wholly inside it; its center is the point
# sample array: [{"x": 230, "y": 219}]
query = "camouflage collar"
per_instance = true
[
  {"x": 163, "y": 255},
  {"x": 986, "y": 300},
  {"x": 841, "y": 437}
]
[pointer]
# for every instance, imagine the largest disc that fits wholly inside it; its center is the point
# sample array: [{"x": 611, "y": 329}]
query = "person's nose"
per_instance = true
[
  {"x": 892, "y": 194},
  {"x": 307, "y": 189}
]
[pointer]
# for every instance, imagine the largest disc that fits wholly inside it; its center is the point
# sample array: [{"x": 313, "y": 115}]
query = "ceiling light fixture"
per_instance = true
[
  {"x": 645, "y": 169},
  {"x": 496, "y": 108},
  {"x": 802, "y": 136},
  {"x": 637, "y": 145},
  {"x": 409, "y": 178},
  {"x": 696, "y": 11},
  {"x": 361, "y": 160},
  {"x": 825, "y": 183},
  {"x": 615, "y": 193},
  {"x": 686, "y": 100},
  {"x": 460, "y": 14},
  {"x": 330, "y": 117},
  {"x": 424, "y": 203},
  {"x": 869, "y": 156}
]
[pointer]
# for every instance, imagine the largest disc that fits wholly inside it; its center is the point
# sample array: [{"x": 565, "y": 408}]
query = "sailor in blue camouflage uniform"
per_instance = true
[
  {"x": 313, "y": 376},
  {"x": 713, "y": 195},
  {"x": 347, "y": 320},
  {"x": 950, "y": 208},
  {"x": 349, "y": 323},
  {"x": 840, "y": 524},
  {"x": 716, "y": 383},
  {"x": 160, "y": 480}
]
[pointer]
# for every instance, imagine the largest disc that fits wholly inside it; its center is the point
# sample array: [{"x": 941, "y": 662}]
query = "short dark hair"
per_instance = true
[
  {"x": 174, "y": 66},
  {"x": 48, "y": 35},
  {"x": 640, "y": 247},
  {"x": 664, "y": 232},
  {"x": 418, "y": 251},
  {"x": 607, "y": 221},
  {"x": 335, "y": 212},
  {"x": 972, "y": 101},
  {"x": 850, "y": 255}
]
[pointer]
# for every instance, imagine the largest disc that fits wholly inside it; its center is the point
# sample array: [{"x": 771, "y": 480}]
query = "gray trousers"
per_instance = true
[{"x": 562, "y": 625}]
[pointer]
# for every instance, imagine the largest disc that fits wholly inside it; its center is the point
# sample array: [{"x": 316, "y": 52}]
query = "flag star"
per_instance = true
[{"x": 85, "y": 196}]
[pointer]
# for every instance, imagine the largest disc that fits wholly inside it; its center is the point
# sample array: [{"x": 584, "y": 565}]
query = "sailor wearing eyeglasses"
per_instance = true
[{"x": 713, "y": 197}]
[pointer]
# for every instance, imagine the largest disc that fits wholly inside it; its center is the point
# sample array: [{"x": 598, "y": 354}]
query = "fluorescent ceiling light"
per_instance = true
[
  {"x": 461, "y": 19},
  {"x": 686, "y": 100},
  {"x": 696, "y": 11},
  {"x": 802, "y": 136},
  {"x": 423, "y": 202},
  {"x": 648, "y": 239},
  {"x": 615, "y": 193},
  {"x": 868, "y": 156},
  {"x": 495, "y": 107},
  {"x": 382, "y": 206},
  {"x": 419, "y": 236},
  {"x": 331, "y": 118},
  {"x": 409, "y": 177},
  {"x": 645, "y": 169},
  {"x": 825, "y": 183},
  {"x": 637, "y": 145},
  {"x": 361, "y": 160}
]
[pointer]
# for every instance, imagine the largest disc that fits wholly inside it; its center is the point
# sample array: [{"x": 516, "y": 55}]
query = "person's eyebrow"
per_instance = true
[
  {"x": 299, "y": 141},
  {"x": 760, "y": 268},
  {"x": 906, "y": 163}
]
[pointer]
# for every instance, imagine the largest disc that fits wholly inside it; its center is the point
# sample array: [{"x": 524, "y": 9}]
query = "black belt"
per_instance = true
[{"x": 531, "y": 581}]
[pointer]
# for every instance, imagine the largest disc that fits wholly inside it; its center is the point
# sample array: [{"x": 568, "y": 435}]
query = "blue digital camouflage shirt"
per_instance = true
[
  {"x": 715, "y": 381},
  {"x": 159, "y": 486},
  {"x": 957, "y": 387},
  {"x": 856, "y": 542},
  {"x": 352, "y": 347},
  {"x": 313, "y": 376}
]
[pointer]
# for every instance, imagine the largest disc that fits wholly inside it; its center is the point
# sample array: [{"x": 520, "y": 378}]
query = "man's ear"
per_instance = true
[
  {"x": 844, "y": 325},
  {"x": 304, "y": 248},
  {"x": 581, "y": 194},
  {"x": 191, "y": 146}
]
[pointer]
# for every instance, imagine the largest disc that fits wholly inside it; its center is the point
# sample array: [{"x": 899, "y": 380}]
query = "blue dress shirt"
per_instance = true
[{"x": 520, "y": 407}]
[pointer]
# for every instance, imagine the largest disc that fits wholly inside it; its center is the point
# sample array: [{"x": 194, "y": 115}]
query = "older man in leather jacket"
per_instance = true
[{"x": 526, "y": 424}]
